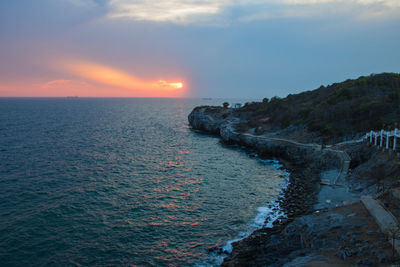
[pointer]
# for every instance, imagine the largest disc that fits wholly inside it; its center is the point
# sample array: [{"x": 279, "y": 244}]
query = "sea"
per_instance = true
[{"x": 124, "y": 182}]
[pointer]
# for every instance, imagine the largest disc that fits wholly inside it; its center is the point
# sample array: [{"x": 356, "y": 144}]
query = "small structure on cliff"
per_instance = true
[{"x": 236, "y": 105}]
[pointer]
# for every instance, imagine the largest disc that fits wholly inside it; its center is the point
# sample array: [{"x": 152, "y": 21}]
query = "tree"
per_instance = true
[
  {"x": 265, "y": 100},
  {"x": 225, "y": 104},
  {"x": 275, "y": 98}
]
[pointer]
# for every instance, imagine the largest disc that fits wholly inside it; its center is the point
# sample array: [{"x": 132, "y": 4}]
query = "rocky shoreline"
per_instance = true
[
  {"x": 307, "y": 236},
  {"x": 303, "y": 162}
]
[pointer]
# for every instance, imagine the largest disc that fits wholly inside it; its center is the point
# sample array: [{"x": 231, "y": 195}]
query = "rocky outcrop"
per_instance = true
[
  {"x": 223, "y": 122},
  {"x": 334, "y": 238},
  {"x": 209, "y": 119},
  {"x": 330, "y": 237},
  {"x": 304, "y": 161}
]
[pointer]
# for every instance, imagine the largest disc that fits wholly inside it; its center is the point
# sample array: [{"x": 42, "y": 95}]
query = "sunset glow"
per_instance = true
[
  {"x": 190, "y": 48},
  {"x": 109, "y": 76},
  {"x": 170, "y": 85},
  {"x": 88, "y": 79}
]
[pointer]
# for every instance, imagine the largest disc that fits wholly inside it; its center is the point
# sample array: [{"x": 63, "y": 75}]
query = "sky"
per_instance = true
[{"x": 192, "y": 48}]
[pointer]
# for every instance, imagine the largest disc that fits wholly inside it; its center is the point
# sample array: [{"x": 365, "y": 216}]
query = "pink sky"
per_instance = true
[
  {"x": 235, "y": 49},
  {"x": 92, "y": 80}
]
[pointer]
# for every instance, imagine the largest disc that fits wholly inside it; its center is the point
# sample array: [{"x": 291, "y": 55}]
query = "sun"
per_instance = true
[{"x": 169, "y": 85}]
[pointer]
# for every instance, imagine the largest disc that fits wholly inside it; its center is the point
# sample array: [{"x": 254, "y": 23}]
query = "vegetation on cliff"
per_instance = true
[{"x": 350, "y": 107}]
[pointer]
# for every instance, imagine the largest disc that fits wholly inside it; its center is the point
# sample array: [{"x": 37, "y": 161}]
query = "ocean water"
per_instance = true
[{"x": 88, "y": 182}]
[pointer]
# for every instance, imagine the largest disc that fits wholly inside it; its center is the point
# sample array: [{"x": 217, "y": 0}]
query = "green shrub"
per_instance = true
[
  {"x": 305, "y": 113},
  {"x": 394, "y": 96},
  {"x": 352, "y": 106}
]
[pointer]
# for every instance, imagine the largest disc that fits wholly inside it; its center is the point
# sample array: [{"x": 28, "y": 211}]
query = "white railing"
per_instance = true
[{"x": 384, "y": 138}]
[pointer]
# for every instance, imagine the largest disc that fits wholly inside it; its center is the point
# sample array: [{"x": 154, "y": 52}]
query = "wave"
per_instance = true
[{"x": 265, "y": 217}]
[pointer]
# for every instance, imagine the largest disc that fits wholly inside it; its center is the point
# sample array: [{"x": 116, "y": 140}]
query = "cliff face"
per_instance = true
[
  {"x": 222, "y": 122},
  {"x": 209, "y": 119}
]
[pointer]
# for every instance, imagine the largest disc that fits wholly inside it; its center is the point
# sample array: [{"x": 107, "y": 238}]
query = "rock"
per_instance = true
[
  {"x": 362, "y": 249},
  {"x": 211, "y": 249},
  {"x": 259, "y": 130},
  {"x": 291, "y": 240},
  {"x": 365, "y": 262},
  {"x": 305, "y": 260},
  {"x": 325, "y": 182},
  {"x": 342, "y": 255},
  {"x": 382, "y": 257}
]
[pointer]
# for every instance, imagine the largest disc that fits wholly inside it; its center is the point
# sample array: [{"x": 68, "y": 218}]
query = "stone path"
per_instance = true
[
  {"x": 315, "y": 146},
  {"x": 386, "y": 221},
  {"x": 339, "y": 180}
]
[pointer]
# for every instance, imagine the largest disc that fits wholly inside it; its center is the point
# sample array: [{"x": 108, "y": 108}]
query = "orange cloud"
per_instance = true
[
  {"x": 108, "y": 76},
  {"x": 86, "y": 79},
  {"x": 55, "y": 84}
]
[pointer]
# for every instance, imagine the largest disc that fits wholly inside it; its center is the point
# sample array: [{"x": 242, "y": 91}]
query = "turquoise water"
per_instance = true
[{"x": 121, "y": 182}]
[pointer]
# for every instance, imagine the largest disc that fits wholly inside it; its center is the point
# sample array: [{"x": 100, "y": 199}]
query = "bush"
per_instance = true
[
  {"x": 305, "y": 113},
  {"x": 341, "y": 95},
  {"x": 352, "y": 106},
  {"x": 286, "y": 123},
  {"x": 394, "y": 96}
]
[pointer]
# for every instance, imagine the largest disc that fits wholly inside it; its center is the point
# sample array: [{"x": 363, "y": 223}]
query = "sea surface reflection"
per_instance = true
[{"x": 121, "y": 182}]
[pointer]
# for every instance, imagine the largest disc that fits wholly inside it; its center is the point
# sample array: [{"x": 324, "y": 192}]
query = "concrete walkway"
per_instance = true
[
  {"x": 386, "y": 221},
  {"x": 333, "y": 192},
  {"x": 312, "y": 145},
  {"x": 345, "y": 158}
]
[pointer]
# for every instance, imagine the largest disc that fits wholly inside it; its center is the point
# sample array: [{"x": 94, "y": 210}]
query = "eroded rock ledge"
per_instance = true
[{"x": 221, "y": 121}]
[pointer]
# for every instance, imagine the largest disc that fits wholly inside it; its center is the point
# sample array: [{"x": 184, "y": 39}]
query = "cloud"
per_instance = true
[
  {"x": 164, "y": 11},
  {"x": 112, "y": 77},
  {"x": 54, "y": 84},
  {"x": 194, "y": 11}
]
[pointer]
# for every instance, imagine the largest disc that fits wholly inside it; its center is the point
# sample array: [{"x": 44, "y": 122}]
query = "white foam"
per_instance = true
[{"x": 266, "y": 216}]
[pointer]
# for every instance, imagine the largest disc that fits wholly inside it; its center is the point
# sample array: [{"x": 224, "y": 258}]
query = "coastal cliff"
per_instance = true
[
  {"x": 331, "y": 235},
  {"x": 305, "y": 162},
  {"x": 223, "y": 122}
]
